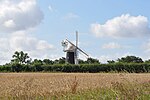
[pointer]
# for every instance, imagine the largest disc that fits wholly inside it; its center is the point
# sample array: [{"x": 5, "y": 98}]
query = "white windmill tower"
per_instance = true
[{"x": 72, "y": 50}]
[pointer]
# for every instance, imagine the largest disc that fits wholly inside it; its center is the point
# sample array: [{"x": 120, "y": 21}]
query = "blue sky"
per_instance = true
[{"x": 108, "y": 29}]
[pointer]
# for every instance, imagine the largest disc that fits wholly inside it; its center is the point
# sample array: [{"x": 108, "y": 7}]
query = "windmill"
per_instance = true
[{"x": 72, "y": 50}]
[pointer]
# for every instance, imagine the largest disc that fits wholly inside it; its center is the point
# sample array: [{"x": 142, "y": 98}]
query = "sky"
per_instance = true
[{"x": 108, "y": 29}]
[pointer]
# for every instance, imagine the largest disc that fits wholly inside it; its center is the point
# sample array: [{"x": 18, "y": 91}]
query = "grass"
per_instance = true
[{"x": 74, "y": 86}]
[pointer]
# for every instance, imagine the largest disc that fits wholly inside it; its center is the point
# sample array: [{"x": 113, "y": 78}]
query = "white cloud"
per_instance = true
[
  {"x": 105, "y": 58},
  {"x": 22, "y": 41},
  {"x": 50, "y": 8},
  {"x": 146, "y": 46},
  {"x": 43, "y": 45},
  {"x": 9, "y": 24},
  {"x": 16, "y": 15},
  {"x": 122, "y": 26},
  {"x": 70, "y": 16},
  {"x": 112, "y": 45}
]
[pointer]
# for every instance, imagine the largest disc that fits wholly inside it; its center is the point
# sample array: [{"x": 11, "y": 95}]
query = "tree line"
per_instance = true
[
  {"x": 21, "y": 62},
  {"x": 23, "y": 58}
]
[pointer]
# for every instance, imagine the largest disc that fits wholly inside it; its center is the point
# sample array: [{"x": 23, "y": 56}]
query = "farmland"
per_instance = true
[{"x": 31, "y": 86}]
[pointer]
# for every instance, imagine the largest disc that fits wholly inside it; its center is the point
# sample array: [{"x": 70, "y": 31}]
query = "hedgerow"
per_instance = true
[{"x": 91, "y": 68}]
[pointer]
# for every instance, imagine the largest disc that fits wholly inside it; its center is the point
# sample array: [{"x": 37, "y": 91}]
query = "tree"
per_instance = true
[
  {"x": 48, "y": 62},
  {"x": 20, "y": 58},
  {"x": 81, "y": 61},
  {"x": 130, "y": 59},
  {"x": 16, "y": 67},
  {"x": 147, "y": 61},
  {"x": 110, "y": 61},
  {"x": 92, "y": 61},
  {"x": 60, "y": 61},
  {"x": 37, "y": 62}
]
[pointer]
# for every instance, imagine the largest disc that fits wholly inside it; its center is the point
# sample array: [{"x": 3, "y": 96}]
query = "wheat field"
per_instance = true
[{"x": 28, "y": 86}]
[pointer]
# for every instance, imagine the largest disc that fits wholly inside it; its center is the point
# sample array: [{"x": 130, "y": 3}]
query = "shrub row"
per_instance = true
[{"x": 91, "y": 68}]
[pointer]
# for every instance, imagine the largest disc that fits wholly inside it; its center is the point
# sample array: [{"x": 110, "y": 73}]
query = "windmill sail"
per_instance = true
[{"x": 78, "y": 48}]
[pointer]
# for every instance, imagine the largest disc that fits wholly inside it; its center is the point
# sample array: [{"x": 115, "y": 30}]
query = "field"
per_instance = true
[{"x": 74, "y": 86}]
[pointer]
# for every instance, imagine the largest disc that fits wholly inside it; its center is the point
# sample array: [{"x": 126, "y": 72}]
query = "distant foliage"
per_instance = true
[
  {"x": 110, "y": 61},
  {"x": 130, "y": 59},
  {"x": 20, "y": 58},
  {"x": 92, "y": 61},
  {"x": 21, "y": 62},
  {"x": 91, "y": 68}
]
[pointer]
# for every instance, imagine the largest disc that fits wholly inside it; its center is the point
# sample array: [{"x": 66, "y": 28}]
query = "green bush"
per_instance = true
[
  {"x": 16, "y": 67},
  {"x": 5, "y": 68},
  {"x": 91, "y": 68}
]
